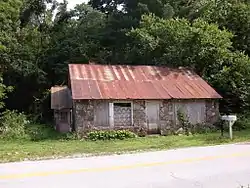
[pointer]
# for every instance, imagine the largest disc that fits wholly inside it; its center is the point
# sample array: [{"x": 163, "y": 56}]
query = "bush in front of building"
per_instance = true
[
  {"x": 110, "y": 135},
  {"x": 13, "y": 124},
  {"x": 242, "y": 123},
  {"x": 16, "y": 125}
]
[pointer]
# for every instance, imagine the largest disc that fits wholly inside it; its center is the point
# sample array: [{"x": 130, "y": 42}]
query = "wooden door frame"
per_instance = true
[
  {"x": 158, "y": 119},
  {"x": 111, "y": 112}
]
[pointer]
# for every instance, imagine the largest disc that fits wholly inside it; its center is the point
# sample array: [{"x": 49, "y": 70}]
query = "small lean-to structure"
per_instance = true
[
  {"x": 61, "y": 103},
  {"x": 111, "y": 97}
]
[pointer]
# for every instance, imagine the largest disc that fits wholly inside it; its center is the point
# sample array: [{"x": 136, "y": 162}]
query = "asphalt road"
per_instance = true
[{"x": 225, "y": 166}]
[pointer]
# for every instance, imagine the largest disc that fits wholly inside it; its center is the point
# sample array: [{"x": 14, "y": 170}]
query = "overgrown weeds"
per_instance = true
[
  {"x": 13, "y": 124},
  {"x": 242, "y": 123}
]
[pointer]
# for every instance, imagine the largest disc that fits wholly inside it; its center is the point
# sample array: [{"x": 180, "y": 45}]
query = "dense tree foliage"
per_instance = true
[
  {"x": 38, "y": 38},
  {"x": 199, "y": 45}
]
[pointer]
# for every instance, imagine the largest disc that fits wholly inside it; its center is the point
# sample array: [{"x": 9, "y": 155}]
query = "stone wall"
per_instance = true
[
  {"x": 167, "y": 117},
  {"x": 169, "y": 123},
  {"x": 212, "y": 111},
  {"x": 84, "y": 117},
  {"x": 139, "y": 113}
]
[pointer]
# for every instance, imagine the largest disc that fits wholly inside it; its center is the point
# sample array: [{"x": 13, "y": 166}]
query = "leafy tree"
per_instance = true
[
  {"x": 233, "y": 81},
  {"x": 20, "y": 53},
  {"x": 34, "y": 11},
  {"x": 73, "y": 39},
  {"x": 199, "y": 45},
  {"x": 38, "y": 38},
  {"x": 236, "y": 18},
  {"x": 178, "y": 42},
  {"x": 122, "y": 16},
  {"x": 9, "y": 21}
]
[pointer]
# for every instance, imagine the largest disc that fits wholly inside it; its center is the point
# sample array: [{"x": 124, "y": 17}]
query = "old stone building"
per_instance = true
[{"x": 138, "y": 98}]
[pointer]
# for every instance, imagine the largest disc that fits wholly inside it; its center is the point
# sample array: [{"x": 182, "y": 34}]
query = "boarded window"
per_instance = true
[
  {"x": 64, "y": 116},
  {"x": 194, "y": 110},
  {"x": 102, "y": 113},
  {"x": 122, "y": 114},
  {"x": 61, "y": 116}
]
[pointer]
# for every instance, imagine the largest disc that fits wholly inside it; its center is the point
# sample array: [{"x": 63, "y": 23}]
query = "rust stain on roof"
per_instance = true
[{"x": 89, "y": 81}]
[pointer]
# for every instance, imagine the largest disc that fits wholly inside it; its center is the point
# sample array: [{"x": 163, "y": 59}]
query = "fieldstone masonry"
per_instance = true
[
  {"x": 167, "y": 123},
  {"x": 84, "y": 116},
  {"x": 212, "y": 112},
  {"x": 139, "y": 113}
]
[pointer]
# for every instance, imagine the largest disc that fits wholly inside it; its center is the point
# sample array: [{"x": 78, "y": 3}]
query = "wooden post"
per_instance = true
[{"x": 231, "y": 129}]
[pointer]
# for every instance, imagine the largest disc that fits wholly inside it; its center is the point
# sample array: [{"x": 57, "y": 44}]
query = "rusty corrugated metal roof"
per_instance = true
[
  {"x": 60, "y": 98},
  {"x": 89, "y": 81}
]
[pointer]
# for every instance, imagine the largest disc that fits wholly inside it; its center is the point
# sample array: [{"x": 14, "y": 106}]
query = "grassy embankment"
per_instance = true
[{"x": 50, "y": 144}]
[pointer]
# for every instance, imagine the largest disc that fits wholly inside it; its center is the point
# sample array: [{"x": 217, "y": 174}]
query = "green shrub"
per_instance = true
[
  {"x": 242, "y": 123},
  {"x": 38, "y": 132},
  {"x": 12, "y": 124},
  {"x": 142, "y": 132},
  {"x": 110, "y": 135},
  {"x": 71, "y": 136},
  {"x": 203, "y": 128}
]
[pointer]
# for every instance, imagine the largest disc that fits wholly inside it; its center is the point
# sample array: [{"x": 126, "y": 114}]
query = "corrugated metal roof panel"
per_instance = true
[{"x": 90, "y": 81}]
